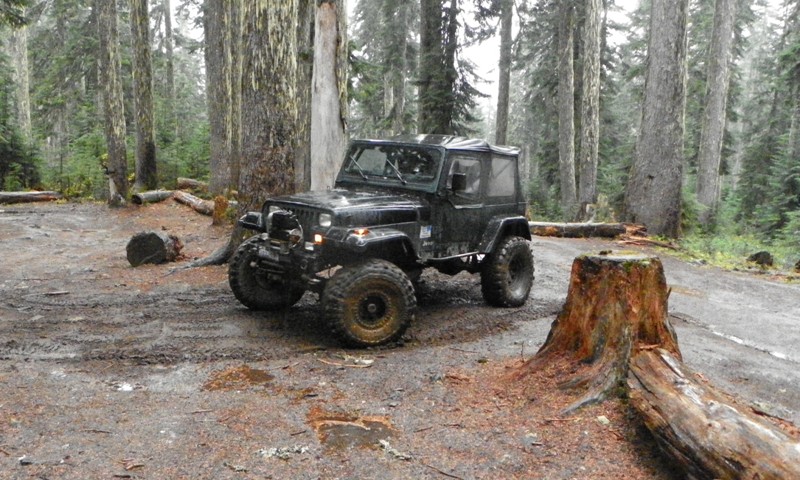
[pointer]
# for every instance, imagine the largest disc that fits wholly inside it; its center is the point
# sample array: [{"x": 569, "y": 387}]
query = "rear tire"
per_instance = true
[
  {"x": 507, "y": 273},
  {"x": 252, "y": 288},
  {"x": 370, "y": 303}
]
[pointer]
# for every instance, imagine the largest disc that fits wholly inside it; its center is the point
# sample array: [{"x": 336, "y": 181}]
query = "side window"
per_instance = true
[
  {"x": 471, "y": 167},
  {"x": 502, "y": 177}
]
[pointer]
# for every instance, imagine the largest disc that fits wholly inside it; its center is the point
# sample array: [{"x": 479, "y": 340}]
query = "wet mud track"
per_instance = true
[{"x": 107, "y": 371}]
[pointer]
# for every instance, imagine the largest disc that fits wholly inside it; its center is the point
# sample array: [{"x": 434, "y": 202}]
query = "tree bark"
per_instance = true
[
  {"x": 206, "y": 207},
  {"x": 504, "y": 82},
  {"x": 329, "y": 93},
  {"x": 307, "y": 10},
  {"x": 590, "y": 109},
  {"x": 114, "y": 107},
  {"x": 270, "y": 103},
  {"x": 653, "y": 193},
  {"x": 25, "y": 197},
  {"x": 18, "y": 51},
  {"x": 616, "y": 304},
  {"x": 153, "y": 247},
  {"x": 146, "y": 167},
  {"x": 222, "y": 24},
  {"x": 699, "y": 428},
  {"x": 566, "y": 108},
  {"x": 712, "y": 131}
]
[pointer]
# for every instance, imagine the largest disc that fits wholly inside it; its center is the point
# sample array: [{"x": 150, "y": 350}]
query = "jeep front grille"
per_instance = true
[{"x": 306, "y": 216}]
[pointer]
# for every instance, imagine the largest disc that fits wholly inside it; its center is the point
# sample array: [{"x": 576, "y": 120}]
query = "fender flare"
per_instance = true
[{"x": 499, "y": 227}]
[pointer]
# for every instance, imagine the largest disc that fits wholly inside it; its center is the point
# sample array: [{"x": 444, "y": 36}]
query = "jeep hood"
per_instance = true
[{"x": 361, "y": 206}]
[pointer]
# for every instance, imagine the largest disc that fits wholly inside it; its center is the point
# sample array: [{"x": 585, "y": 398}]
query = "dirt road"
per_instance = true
[{"x": 109, "y": 371}]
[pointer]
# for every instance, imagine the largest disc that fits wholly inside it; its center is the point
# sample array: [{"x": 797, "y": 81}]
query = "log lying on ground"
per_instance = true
[
  {"x": 25, "y": 197},
  {"x": 206, "y": 207},
  {"x": 191, "y": 184},
  {"x": 577, "y": 230},
  {"x": 153, "y": 247},
  {"x": 153, "y": 196},
  {"x": 696, "y": 426},
  {"x": 616, "y": 303}
]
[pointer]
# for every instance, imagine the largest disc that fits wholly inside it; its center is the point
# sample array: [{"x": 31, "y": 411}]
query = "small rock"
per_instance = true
[{"x": 603, "y": 420}]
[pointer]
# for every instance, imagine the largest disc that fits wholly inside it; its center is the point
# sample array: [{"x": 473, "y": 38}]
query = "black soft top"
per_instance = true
[{"x": 448, "y": 142}]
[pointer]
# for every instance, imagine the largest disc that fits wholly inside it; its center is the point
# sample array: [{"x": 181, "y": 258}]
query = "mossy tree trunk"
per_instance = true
[
  {"x": 146, "y": 167},
  {"x": 113, "y": 106}
]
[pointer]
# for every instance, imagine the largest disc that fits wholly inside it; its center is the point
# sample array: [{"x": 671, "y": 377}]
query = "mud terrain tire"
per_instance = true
[
  {"x": 507, "y": 273},
  {"x": 252, "y": 289},
  {"x": 369, "y": 304}
]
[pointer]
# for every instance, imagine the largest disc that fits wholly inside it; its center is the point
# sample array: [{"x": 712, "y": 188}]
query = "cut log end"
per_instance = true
[{"x": 153, "y": 247}]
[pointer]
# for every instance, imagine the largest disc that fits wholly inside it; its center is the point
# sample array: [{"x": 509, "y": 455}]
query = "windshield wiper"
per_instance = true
[
  {"x": 397, "y": 173},
  {"x": 360, "y": 170}
]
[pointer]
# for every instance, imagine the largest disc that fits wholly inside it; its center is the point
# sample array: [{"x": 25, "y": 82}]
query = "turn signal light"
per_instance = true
[
  {"x": 317, "y": 239},
  {"x": 360, "y": 232}
]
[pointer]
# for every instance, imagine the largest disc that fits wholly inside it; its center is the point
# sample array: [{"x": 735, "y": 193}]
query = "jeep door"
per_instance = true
[
  {"x": 458, "y": 216},
  {"x": 503, "y": 195}
]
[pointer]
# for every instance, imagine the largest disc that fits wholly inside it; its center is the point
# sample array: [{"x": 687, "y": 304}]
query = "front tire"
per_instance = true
[
  {"x": 252, "y": 288},
  {"x": 370, "y": 303},
  {"x": 507, "y": 273}
]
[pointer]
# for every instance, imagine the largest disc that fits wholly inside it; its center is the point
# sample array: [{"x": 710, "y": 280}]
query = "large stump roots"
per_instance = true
[{"x": 616, "y": 304}]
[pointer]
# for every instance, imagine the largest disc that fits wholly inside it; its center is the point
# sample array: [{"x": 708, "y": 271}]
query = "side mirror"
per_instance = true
[{"x": 459, "y": 183}]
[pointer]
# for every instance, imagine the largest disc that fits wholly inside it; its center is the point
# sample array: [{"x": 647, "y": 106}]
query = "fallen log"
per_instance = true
[
  {"x": 153, "y": 247},
  {"x": 153, "y": 196},
  {"x": 25, "y": 197},
  {"x": 206, "y": 207},
  {"x": 191, "y": 184},
  {"x": 577, "y": 230},
  {"x": 701, "y": 430},
  {"x": 616, "y": 303}
]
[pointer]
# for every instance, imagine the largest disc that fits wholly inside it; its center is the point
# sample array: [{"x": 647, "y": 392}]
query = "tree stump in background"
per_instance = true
[
  {"x": 153, "y": 247},
  {"x": 616, "y": 304}
]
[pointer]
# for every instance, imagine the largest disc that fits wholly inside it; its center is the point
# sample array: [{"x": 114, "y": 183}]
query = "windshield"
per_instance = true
[{"x": 404, "y": 164}]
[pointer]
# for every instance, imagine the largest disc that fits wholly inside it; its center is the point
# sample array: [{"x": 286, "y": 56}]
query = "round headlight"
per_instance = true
[{"x": 324, "y": 220}]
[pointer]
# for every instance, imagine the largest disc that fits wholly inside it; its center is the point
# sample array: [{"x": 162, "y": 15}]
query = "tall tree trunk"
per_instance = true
[
  {"x": 269, "y": 101},
  {"x": 653, "y": 194},
  {"x": 714, "y": 117},
  {"x": 590, "y": 110},
  {"x": 170, "y": 54},
  {"x": 146, "y": 168},
  {"x": 18, "y": 51},
  {"x": 396, "y": 17},
  {"x": 501, "y": 122},
  {"x": 566, "y": 108},
  {"x": 307, "y": 10},
  {"x": 113, "y": 106},
  {"x": 217, "y": 24},
  {"x": 437, "y": 73},
  {"x": 235, "y": 49},
  {"x": 329, "y": 93}
]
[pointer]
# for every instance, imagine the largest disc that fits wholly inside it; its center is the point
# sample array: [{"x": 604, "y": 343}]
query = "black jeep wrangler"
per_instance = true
[{"x": 398, "y": 206}]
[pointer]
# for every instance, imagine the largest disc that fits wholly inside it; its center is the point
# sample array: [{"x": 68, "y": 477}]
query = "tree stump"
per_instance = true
[
  {"x": 616, "y": 304},
  {"x": 153, "y": 247}
]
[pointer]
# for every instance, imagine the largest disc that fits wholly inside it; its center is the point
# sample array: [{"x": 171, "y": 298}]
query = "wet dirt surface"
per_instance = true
[{"x": 107, "y": 371}]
